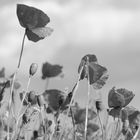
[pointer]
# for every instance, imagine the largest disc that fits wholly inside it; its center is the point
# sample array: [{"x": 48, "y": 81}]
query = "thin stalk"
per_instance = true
[
  {"x": 106, "y": 124},
  {"x": 100, "y": 125},
  {"x": 13, "y": 81},
  {"x": 73, "y": 122},
  {"x": 87, "y": 105},
  {"x": 73, "y": 95},
  {"x": 74, "y": 91},
  {"x": 21, "y": 105}
]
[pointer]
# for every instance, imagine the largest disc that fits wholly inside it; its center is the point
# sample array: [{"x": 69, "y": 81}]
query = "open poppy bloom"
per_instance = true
[
  {"x": 80, "y": 115},
  {"x": 49, "y": 70},
  {"x": 56, "y": 100},
  {"x": 90, "y": 67},
  {"x": 118, "y": 99},
  {"x": 34, "y": 21}
]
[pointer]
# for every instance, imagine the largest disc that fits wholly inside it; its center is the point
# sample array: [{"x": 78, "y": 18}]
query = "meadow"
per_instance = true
[{"x": 54, "y": 114}]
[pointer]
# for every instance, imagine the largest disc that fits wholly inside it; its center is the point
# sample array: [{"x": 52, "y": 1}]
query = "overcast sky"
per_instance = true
[{"x": 107, "y": 28}]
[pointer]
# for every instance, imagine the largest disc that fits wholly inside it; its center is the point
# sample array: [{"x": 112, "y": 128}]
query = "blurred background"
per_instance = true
[{"x": 110, "y": 29}]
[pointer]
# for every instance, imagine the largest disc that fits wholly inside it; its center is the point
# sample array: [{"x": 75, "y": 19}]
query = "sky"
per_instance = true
[{"x": 107, "y": 28}]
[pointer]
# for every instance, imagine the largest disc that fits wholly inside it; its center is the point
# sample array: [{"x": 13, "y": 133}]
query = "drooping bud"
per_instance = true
[{"x": 33, "y": 69}]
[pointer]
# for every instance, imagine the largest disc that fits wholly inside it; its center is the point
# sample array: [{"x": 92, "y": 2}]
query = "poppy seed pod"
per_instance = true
[{"x": 33, "y": 69}]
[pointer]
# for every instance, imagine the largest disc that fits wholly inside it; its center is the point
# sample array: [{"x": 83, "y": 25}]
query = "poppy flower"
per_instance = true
[
  {"x": 49, "y": 70},
  {"x": 118, "y": 99},
  {"x": 34, "y": 21},
  {"x": 55, "y": 100},
  {"x": 95, "y": 71},
  {"x": 80, "y": 115},
  {"x": 91, "y": 128}
]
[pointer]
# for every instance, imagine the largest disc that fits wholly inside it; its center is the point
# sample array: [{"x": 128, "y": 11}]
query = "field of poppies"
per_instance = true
[{"x": 54, "y": 114}]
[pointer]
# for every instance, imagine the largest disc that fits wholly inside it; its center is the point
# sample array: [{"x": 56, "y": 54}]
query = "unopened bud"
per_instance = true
[{"x": 33, "y": 69}]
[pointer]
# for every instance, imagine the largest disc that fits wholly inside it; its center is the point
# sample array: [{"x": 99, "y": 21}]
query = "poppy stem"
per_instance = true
[
  {"x": 21, "y": 105},
  {"x": 87, "y": 105},
  {"x": 100, "y": 124},
  {"x": 73, "y": 122},
  {"x": 13, "y": 81},
  {"x": 21, "y": 52},
  {"x": 72, "y": 99}
]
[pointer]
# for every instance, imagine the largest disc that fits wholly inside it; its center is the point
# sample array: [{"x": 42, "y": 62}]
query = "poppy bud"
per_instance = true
[
  {"x": 99, "y": 105},
  {"x": 32, "y": 97},
  {"x": 33, "y": 69},
  {"x": 40, "y": 100}
]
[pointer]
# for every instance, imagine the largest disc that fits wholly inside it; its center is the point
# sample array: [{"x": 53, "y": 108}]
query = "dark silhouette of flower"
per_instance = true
[
  {"x": 118, "y": 99},
  {"x": 49, "y": 70},
  {"x": 34, "y": 21},
  {"x": 91, "y": 68}
]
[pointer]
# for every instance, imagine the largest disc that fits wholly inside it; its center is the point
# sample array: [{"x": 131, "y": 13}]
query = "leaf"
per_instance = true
[
  {"x": 30, "y": 17},
  {"x": 115, "y": 99},
  {"x": 2, "y": 73},
  {"x": 128, "y": 95},
  {"x": 38, "y": 33},
  {"x": 49, "y": 70}
]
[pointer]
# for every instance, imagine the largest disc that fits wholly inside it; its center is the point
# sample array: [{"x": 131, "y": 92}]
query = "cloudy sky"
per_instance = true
[{"x": 107, "y": 28}]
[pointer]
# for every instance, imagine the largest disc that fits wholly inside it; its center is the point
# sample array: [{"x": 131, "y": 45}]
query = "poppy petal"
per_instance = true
[
  {"x": 30, "y": 17},
  {"x": 115, "y": 99}
]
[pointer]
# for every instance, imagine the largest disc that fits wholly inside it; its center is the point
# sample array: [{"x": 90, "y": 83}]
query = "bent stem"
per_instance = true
[{"x": 13, "y": 81}]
